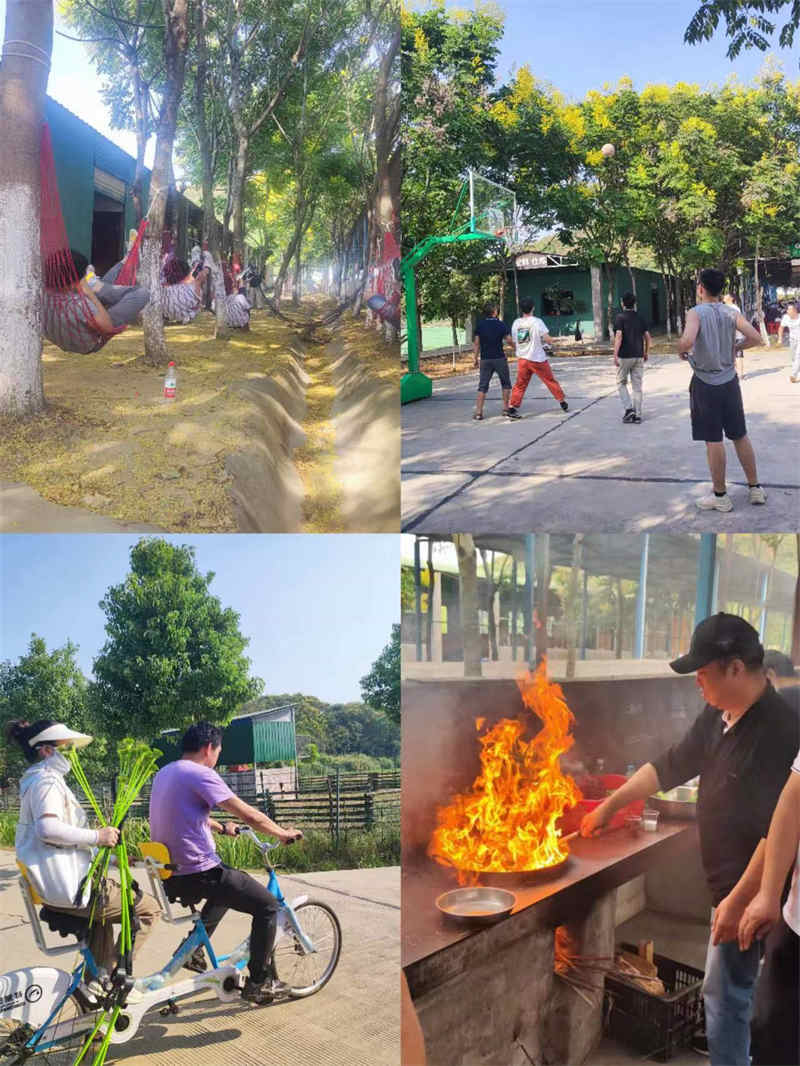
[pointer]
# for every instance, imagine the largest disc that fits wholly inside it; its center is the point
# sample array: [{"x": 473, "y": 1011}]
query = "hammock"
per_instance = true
[{"x": 68, "y": 310}]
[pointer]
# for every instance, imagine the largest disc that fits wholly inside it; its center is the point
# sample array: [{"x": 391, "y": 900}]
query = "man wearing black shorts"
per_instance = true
[
  {"x": 715, "y": 399},
  {"x": 489, "y": 336}
]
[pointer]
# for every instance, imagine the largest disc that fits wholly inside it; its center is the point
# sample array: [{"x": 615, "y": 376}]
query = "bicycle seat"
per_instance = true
[
  {"x": 160, "y": 868},
  {"x": 64, "y": 924}
]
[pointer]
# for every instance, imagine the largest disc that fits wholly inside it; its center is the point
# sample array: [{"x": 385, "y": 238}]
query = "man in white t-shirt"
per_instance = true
[
  {"x": 776, "y": 1017},
  {"x": 529, "y": 335},
  {"x": 791, "y": 321}
]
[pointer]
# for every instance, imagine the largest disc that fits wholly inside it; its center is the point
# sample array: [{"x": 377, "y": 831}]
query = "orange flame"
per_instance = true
[{"x": 507, "y": 823}]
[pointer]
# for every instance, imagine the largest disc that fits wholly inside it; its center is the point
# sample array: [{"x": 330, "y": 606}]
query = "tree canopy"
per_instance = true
[
  {"x": 700, "y": 175},
  {"x": 173, "y": 653}
]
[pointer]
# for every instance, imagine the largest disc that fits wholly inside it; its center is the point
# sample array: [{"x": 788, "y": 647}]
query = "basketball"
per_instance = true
[{"x": 608, "y": 150}]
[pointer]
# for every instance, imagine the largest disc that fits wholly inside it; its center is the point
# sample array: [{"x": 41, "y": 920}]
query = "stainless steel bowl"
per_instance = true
[{"x": 479, "y": 904}]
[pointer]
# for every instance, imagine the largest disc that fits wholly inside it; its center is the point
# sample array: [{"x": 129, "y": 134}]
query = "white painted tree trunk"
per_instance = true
[{"x": 23, "y": 84}]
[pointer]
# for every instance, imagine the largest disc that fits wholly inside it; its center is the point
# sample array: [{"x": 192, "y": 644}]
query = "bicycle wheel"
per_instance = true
[
  {"x": 14, "y": 1036},
  {"x": 307, "y": 974}
]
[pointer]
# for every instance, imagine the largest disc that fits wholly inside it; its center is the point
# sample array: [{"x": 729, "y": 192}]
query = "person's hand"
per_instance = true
[
  {"x": 594, "y": 821},
  {"x": 229, "y": 829},
  {"x": 683, "y": 355},
  {"x": 727, "y": 916},
  {"x": 616, "y": 361},
  {"x": 644, "y": 358},
  {"x": 289, "y": 836},
  {"x": 759, "y": 917},
  {"x": 107, "y": 836},
  {"x": 475, "y": 363}
]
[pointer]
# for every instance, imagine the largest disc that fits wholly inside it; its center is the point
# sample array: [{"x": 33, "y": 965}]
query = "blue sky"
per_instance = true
[
  {"x": 318, "y": 609},
  {"x": 575, "y": 44},
  {"x": 579, "y": 45}
]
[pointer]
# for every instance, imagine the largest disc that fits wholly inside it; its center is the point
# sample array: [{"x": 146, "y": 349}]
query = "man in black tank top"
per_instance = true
[{"x": 708, "y": 343}]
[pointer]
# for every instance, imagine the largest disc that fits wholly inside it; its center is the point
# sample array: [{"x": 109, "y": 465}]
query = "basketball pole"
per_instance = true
[{"x": 414, "y": 385}]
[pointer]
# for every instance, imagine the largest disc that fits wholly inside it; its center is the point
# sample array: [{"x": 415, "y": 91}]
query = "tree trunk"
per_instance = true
[
  {"x": 297, "y": 281},
  {"x": 468, "y": 603},
  {"x": 487, "y": 558},
  {"x": 23, "y": 84},
  {"x": 176, "y": 34},
  {"x": 222, "y": 331},
  {"x": 759, "y": 301},
  {"x": 668, "y": 296},
  {"x": 620, "y": 619},
  {"x": 573, "y": 602},
  {"x": 609, "y": 272}
]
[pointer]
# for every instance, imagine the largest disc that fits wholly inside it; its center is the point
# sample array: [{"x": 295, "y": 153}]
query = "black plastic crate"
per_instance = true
[{"x": 657, "y": 1026}]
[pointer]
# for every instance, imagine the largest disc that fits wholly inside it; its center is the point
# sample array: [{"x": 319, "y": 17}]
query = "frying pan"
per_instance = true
[{"x": 478, "y": 905}]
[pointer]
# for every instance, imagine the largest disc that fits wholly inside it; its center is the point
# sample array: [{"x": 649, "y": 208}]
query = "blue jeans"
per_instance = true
[{"x": 728, "y": 992}]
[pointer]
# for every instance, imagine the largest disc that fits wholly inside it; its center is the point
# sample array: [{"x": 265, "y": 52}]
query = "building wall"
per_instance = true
[{"x": 533, "y": 283}]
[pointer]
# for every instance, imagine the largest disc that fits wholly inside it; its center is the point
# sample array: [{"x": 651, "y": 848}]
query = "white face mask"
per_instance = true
[{"x": 58, "y": 762}]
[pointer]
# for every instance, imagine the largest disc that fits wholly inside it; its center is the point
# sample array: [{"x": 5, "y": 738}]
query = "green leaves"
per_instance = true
[
  {"x": 380, "y": 688},
  {"x": 174, "y": 654}
]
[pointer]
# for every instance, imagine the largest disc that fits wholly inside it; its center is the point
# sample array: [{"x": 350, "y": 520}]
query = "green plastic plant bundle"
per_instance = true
[{"x": 137, "y": 763}]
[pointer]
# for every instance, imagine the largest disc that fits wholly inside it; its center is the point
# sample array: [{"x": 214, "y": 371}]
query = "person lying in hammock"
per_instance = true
[
  {"x": 182, "y": 291},
  {"x": 79, "y": 317}
]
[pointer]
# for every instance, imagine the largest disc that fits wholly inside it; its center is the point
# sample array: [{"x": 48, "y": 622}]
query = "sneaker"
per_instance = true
[
  {"x": 629, "y": 415},
  {"x": 92, "y": 992},
  {"x": 715, "y": 503},
  {"x": 757, "y": 494},
  {"x": 196, "y": 962},
  {"x": 477, "y": 417},
  {"x": 564, "y": 405},
  {"x": 512, "y": 412},
  {"x": 636, "y": 419},
  {"x": 265, "y": 991}
]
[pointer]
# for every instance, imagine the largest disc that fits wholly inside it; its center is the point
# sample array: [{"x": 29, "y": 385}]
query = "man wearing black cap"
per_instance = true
[{"x": 742, "y": 746}]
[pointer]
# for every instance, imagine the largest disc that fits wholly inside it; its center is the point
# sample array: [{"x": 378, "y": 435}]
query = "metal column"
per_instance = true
[
  {"x": 513, "y": 608},
  {"x": 762, "y": 626},
  {"x": 641, "y": 599},
  {"x": 418, "y": 598},
  {"x": 530, "y": 541},
  {"x": 585, "y": 613},
  {"x": 706, "y": 572}
]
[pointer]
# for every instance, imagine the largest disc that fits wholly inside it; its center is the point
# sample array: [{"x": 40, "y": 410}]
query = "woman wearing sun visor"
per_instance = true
[{"x": 55, "y": 843}]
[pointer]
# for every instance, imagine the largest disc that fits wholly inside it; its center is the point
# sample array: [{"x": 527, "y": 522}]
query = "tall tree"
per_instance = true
[
  {"x": 176, "y": 39},
  {"x": 380, "y": 688},
  {"x": 124, "y": 39},
  {"x": 173, "y": 653},
  {"x": 41, "y": 684},
  {"x": 24, "y": 72}
]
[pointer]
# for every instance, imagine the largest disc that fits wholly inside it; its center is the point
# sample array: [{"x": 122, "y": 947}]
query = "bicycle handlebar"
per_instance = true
[{"x": 262, "y": 845}]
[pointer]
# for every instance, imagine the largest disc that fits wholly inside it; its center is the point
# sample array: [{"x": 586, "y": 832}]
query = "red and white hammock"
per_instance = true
[{"x": 68, "y": 310}]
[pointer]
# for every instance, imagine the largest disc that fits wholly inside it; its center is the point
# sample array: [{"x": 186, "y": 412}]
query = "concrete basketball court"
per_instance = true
[
  {"x": 353, "y": 1021},
  {"x": 585, "y": 469}
]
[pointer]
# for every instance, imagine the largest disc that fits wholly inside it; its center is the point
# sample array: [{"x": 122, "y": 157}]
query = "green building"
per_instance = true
[
  {"x": 260, "y": 736},
  {"x": 568, "y": 296},
  {"x": 95, "y": 185}
]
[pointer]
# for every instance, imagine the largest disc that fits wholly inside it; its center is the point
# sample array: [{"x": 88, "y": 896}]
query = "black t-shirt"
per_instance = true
[
  {"x": 742, "y": 774},
  {"x": 633, "y": 328},
  {"x": 491, "y": 332}
]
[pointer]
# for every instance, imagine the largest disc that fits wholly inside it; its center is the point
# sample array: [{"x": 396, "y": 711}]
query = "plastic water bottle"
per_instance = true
[
  {"x": 170, "y": 382},
  {"x": 92, "y": 279}
]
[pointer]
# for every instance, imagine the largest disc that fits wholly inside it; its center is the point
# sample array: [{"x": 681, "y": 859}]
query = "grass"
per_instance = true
[
  {"x": 109, "y": 442},
  {"x": 357, "y": 849}
]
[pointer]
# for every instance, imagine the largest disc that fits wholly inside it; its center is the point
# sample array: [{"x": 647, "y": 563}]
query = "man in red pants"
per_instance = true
[{"x": 529, "y": 334}]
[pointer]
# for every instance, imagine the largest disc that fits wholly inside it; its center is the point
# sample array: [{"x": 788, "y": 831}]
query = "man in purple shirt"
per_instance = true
[{"x": 182, "y": 798}]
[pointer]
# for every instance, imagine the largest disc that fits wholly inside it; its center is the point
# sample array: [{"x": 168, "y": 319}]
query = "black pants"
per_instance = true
[
  {"x": 224, "y": 889},
  {"x": 776, "y": 1015}
]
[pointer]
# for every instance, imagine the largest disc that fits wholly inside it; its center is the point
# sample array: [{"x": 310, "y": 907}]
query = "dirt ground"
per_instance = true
[
  {"x": 322, "y": 505},
  {"x": 110, "y": 443}
]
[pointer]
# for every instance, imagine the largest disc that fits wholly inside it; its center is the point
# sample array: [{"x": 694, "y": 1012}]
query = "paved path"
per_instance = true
[
  {"x": 553, "y": 471},
  {"x": 353, "y": 1021}
]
